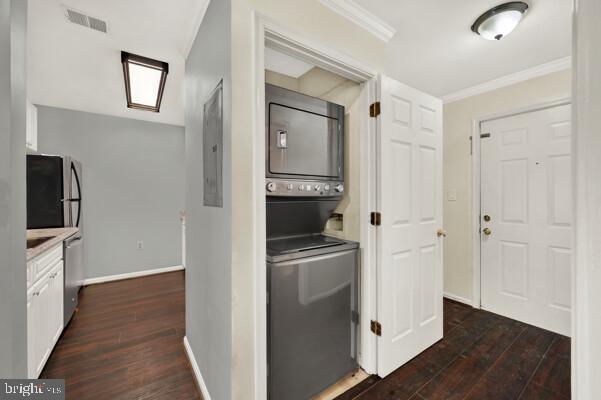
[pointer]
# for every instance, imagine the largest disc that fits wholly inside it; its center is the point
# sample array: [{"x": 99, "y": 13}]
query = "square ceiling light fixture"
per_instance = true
[{"x": 144, "y": 81}]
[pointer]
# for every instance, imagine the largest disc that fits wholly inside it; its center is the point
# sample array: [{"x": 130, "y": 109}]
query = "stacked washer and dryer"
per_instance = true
[{"x": 312, "y": 279}]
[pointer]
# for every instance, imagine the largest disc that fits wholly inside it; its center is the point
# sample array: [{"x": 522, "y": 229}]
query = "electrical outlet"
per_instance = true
[{"x": 140, "y": 245}]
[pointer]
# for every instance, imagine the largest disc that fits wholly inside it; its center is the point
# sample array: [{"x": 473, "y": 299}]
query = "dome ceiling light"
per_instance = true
[{"x": 499, "y": 21}]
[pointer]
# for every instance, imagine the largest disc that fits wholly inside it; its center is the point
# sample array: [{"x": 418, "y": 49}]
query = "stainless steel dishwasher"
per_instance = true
[{"x": 73, "y": 251}]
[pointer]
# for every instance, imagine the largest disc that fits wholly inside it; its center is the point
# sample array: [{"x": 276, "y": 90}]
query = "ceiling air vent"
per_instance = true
[
  {"x": 97, "y": 24},
  {"x": 79, "y": 18}
]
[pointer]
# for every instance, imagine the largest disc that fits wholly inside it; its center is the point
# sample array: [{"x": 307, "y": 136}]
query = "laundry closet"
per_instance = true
[{"x": 312, "y": 224}]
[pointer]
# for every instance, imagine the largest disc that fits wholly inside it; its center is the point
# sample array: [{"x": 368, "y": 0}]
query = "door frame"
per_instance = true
[
  {"x": 476, "y": 189},
  {"x": 294, "y": 44}
]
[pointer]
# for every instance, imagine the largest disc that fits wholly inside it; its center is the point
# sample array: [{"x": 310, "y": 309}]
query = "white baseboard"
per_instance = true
[
  {"x": 201, "y": 383},
  {"x": 110, "y": 278},
  {"x": 458, "y": 298}
]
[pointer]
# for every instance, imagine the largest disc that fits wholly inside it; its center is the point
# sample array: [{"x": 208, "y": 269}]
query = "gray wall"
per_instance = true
[
  {"x": 133, "y": 186},
  {"x": 13, "y": 311},
  {"x": 208, "y": 229}
]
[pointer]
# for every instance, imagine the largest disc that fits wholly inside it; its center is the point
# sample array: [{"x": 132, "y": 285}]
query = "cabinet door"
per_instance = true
[
  {"x": 41, "y": 306},
  {"x": 32, "y": 329},
  {"x": 56, "y": 312}
]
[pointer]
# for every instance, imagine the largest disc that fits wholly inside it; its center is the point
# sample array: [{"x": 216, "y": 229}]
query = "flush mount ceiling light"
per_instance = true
[
  {"x": 144, "y": 81},
  {"x": 499, "y": 21}
]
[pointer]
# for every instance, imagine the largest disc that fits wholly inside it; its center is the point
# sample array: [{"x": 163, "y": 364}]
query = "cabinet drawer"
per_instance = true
[{"x": 47, "y": 260}]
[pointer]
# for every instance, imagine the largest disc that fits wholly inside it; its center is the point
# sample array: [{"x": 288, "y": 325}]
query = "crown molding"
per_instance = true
[
  {"x": 507, "y": 80},
  {"x": 360, "y": 16},
  {"x": 200, "y": 14}
]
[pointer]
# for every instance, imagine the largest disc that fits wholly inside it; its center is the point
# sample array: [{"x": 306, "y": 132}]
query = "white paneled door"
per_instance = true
[
  {"x": 526, "y": 217},
  {"x": 409, "y": 169}
]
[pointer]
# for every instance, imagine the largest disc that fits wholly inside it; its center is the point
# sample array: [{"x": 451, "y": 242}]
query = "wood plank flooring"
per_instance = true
[
  {"x": 482, "y": 356},
  {"x": 126, "y": 342}
]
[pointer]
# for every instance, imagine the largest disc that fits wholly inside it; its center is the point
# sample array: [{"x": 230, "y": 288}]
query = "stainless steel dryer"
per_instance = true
[{"x": 311, "y": 277}]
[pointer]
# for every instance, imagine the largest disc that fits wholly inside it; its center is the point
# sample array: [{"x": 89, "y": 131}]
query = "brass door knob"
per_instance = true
[
  {"x": 486, "y": 231},
  {"x": 441, "y": 232}
]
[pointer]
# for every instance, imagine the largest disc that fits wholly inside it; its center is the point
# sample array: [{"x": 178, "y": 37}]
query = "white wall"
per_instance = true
[
  {"x": 13, "y": 311},
  {"x": 310, "y": 19},
  {"x": 208, "y": 229},
  {"x": 132, "y": 187},
  {"x": 586, "y": 346},
  {"x": 458, "y": 117}
]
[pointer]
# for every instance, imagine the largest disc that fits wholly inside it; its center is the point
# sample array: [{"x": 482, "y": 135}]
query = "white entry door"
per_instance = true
[
  {"x": 526, "y": 217},
  {"x": 409, "y": 197}
]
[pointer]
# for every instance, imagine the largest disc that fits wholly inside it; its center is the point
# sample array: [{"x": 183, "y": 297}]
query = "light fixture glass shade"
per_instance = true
[
  {"x": 499, "y": 21},
  {"x": 144, "y": 81},
  {"x": 144, "y": 84}
]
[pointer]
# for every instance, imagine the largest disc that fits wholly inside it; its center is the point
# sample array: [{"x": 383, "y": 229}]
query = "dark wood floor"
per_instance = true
[
  {"x": 482, "y": 356},
  {"x": 126, "y": 342}
]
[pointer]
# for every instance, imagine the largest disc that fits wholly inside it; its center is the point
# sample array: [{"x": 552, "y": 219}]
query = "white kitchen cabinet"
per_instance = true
[
  {"x": 31, "y": 128},
  {"x": 56, "y": 312},
  {"x": 44, "y": 313},
  {"x": 40, "y": 314}
]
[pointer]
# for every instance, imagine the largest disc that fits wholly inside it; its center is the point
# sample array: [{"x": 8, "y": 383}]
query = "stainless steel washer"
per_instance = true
[{"x": 312, "y": 284}]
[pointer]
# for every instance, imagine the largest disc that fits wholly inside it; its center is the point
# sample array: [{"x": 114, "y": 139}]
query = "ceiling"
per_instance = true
[
  {"x": 74, "y": 67},
  {"x": 285, "y": 64},
  {"x": 434, "y": 49}
]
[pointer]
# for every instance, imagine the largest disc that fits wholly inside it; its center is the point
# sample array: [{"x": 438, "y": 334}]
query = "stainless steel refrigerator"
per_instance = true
[{"x": 54, "y": 200}]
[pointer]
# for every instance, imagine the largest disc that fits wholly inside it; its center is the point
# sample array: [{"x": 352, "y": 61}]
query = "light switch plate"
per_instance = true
[{"x": 452, "y": 195}]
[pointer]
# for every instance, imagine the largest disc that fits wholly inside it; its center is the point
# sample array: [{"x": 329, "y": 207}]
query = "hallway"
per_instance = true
[{"x": 126, "y": 342}]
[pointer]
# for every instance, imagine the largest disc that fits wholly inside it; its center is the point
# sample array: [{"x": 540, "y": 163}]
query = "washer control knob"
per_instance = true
[
  {"x": 317, "y": 188},
  {"x": 271, "y": 186},
  {"x": 289, "y": 186},
  {"x": 339, "y": 188},
  {"x": 301, "y": 188},
  {"x": 326, "y": 188}
]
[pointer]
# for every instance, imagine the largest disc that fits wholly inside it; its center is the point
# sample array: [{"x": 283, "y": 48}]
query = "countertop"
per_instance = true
[{"x": 57, "y": 234}]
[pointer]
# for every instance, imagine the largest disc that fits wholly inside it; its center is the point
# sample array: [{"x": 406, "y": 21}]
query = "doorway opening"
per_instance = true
[{"x": 308, "y": 293}]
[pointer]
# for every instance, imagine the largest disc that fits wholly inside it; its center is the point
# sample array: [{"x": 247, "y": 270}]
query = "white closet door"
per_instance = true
[
  {"x": 410, "y": 202},
  {"x": 526, "y": 212}
]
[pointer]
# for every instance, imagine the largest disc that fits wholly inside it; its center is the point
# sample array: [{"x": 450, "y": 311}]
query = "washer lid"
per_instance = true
[
  {"x": 293, "y": 247},
  {"x": 301, "y": 243}
]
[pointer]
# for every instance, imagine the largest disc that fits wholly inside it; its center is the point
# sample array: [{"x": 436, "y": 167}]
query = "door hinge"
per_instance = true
[
  {"x": 376, "y": 218},
  {"x": 484, "y": 135},
  {"x": 376, "y": 328},
  {"x": 374, "y": 109}
]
